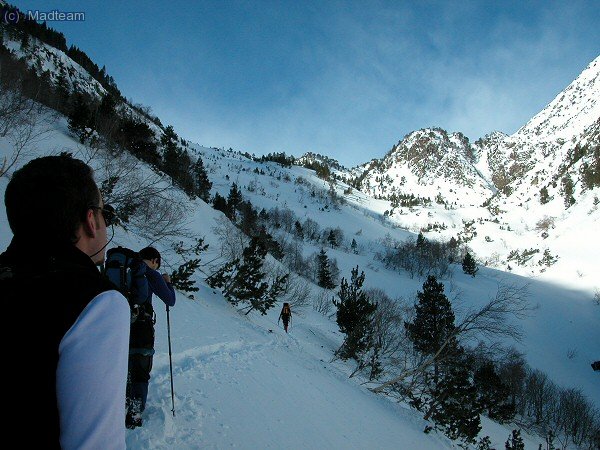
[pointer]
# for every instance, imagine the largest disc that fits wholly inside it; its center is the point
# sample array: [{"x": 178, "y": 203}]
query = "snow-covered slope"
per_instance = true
[{"x": 241, "y": 382}]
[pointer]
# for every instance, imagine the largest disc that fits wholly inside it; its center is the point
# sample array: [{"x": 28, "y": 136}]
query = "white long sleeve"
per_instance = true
[{"x": 91, "y": 375}]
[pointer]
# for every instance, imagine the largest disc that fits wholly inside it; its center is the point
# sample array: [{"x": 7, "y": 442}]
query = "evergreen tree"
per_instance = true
[
  {"x": 79, "y": 118},
  {"x": 244, "y": 281},
  {"x": 25, "y": 41},
  {"x": 219, "y": 203},
  {"x": 177, "y": 162},
  {"x": 493, "y": 396},
  {"x": 62, "y": 91},
  {"x": 354, "y": 316},
  {"x": 298, "y": 231},
  {"x": 449, "y": 395},
  {"x": 233, "y": 201},
  {"x": 249, "y": 216},
  {"x": 324, "y": 275},
  {"x": 354, "y": 246},
  {"x": 515, "y": 441},
  {"x": 203, "y": 184},
  {"x": 138, "y": 138},
  {"x": 469, "y": 265},
  {"x": 421, "y": 240},
  {"x": 266, "y": 240},
  {"x": 184, "y": 175},
  {"x": 181, "y": 278},
  {"x": 171, "y": 152},
  {"x": 544, "y": 196},
  {"x": 567, "y": 190},
  {"x": 453, "y": 405},
  {"x": 332, "y": 239},
  {"x": 433, "y": 324},
  {"x": 485, "y": 443}
]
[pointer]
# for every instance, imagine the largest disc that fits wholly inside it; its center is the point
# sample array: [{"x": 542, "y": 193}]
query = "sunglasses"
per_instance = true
[{"x": 108, "y": 213}]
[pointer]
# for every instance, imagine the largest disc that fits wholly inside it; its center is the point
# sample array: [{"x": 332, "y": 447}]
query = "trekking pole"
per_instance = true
[{"x": 170, "y": 361}]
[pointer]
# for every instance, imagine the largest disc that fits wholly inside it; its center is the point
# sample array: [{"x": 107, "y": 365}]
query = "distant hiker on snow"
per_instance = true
[
  {"x": 141, "y": 349},
  {"x": 286, "y": 315},
  {"x": 69, "y": 381}
]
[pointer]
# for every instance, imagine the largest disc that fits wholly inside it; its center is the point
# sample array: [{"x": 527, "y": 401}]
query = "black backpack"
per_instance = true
[{"x": 127, "y": 271}]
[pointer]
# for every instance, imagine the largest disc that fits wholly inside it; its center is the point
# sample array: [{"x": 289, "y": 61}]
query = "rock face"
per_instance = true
[
  {"x": 543, "y": 149},
  {"x": 432, "y": 163},
  {"x": 556, "y": 142}
]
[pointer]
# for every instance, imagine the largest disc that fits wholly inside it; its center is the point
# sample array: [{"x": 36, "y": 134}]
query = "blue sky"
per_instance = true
[{"x": 348, "y": 79}]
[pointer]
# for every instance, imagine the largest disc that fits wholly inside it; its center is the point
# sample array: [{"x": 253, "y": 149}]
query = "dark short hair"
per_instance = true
[
  {"x": 59, "y": 190},
  {"x": 150, "y": 253}
]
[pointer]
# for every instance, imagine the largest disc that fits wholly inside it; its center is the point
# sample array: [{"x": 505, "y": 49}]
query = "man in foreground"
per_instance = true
[{"x": 68, "y": 375}]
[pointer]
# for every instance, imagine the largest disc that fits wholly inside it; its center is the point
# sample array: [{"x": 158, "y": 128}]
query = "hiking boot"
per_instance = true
[{"x": 133, "y": 421}]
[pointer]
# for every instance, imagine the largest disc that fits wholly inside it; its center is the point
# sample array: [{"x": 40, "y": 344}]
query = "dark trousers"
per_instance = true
[{"x": 137, "y": 382}]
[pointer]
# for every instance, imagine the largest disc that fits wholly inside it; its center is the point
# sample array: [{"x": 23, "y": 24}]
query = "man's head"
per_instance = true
[
  {"x": 151, "y": 256},
  {"x": 55, "y": 199}
]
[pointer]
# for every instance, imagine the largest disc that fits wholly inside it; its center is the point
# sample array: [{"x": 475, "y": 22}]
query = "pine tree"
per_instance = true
[
  {"x": 181, "y": 278},
  {"x": 544, "y": 196},
  {"x": 249, "y": 220},
  {"x": 219, "y": 203},
  {"x": 493, "y": 396},
  {"x": 298, "y": 231},
  {"x": 171, "y": 152},
  {"x": 354, "y": 316},
  {"x": 354, "y": 246},
  {"x": 244, "y": 281},
  {"x": 450, "y": 397},
  {"x": 266, "y": 240},
  {"x": 433, "y": 325},
  {"x": 25, "y": 41},
  {"x": 332, "y": 239},
  {"x": 515, "y": 441},
  {"x": 567, "y": 190},
  {"x": 80, "y": 118},
  {"x": 469, "y": 265},
  {"x": 324, "y": 275},
  {"x": 201, "y": 181},
  {"x": 177, "y": 162},
  {"x": 453, "y": 405},
  {"x": 233, "y": 201},
  {"x": 421, "y": 240}
]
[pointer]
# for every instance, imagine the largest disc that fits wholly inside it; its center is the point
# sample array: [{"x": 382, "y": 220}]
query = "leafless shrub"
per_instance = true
[
  {"x": 322, "y": 302},
  {"x": 232, "y": 240},
  {"x": 23, "y": 122},
  {"x": 545, "y": 223},
  {"x": 144, "y": 199},
  {"x": 296, "y": 291},
  {"x": 489, "y": 322},
  {"x": 495, "y": 319}
]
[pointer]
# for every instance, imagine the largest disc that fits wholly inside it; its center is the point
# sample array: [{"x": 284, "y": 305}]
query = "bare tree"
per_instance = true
[
  {"x": 492, "y": 321},
  {"x": 144, "y": 199},
  {"x": 296, "y": 291},
  {"x": 232, "y": 239},
  {"x": 23, "y": 122},
  {"x": 387, "y": 333},
  {"x": 323, "y": 301}
]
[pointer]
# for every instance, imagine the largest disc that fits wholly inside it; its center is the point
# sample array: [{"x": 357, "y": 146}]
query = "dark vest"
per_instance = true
[{"x": 42, "y": 290}]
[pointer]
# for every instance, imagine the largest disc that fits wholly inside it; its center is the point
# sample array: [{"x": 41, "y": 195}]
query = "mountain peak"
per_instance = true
[{"x": 571, "y": 111}]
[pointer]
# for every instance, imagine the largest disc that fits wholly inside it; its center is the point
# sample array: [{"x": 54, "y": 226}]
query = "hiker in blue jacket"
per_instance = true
[{"x": 141, "y": 344}]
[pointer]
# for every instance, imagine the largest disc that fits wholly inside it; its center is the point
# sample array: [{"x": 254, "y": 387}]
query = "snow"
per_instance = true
[
  {"x": 239, "y": 385},
  {"x": 241, "y": 382}
]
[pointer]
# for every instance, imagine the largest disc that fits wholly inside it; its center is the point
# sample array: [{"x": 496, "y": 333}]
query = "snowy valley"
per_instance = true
[{"x": 526, "y": 206}]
